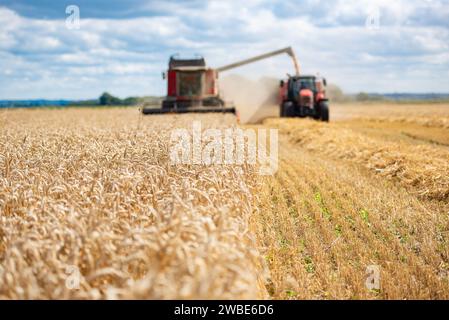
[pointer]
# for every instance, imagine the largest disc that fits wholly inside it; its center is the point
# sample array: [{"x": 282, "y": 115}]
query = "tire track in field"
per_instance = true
[{"x": 426, "y": 140}]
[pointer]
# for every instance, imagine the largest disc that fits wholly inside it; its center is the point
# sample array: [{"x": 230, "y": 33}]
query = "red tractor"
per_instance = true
[{"x": 304, "y": 96}]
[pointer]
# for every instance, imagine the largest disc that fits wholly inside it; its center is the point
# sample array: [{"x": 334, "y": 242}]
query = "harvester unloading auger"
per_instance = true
[{"x": 193, "y": 87}]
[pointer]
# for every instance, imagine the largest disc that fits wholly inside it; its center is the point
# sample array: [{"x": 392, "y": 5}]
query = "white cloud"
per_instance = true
[
  {"x": 429, "y": 41},
  {"x": 332, "y": 41}
]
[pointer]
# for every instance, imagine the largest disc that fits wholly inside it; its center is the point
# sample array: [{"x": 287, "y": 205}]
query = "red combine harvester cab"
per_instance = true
[
  {"x": 304, "y": 96},
  {"x": 191, "y": 87},
  {"x": 190, "y": 83}
]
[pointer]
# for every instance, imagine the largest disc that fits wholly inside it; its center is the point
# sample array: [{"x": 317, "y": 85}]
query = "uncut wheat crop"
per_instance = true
[{"x": 91, "y": 208}]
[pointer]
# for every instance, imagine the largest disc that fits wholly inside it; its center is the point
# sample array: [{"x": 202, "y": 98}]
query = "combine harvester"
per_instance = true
[{"x": 192, "y": 87}]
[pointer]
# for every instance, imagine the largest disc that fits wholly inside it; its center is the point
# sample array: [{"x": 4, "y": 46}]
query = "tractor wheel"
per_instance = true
[
  {"x": 287, "y": 109},
  {"x": 317, "y": 114},
  {"x": 281, "y": 111},
  {"x": 324, "y": 111}
]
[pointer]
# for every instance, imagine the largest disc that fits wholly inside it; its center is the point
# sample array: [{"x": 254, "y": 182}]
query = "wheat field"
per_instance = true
[
  {"x": 93, "y": 189},
  {"x": 91, "y": 208}
]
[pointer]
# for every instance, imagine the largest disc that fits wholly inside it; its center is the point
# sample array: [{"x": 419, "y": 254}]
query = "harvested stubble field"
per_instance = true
[{"x": 93, "y": 189}]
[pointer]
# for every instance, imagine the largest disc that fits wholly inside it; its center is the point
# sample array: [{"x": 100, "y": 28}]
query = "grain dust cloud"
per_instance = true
[{"x": 255, "y": 100}]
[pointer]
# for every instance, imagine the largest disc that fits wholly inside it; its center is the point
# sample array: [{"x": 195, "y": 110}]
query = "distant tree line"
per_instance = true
[
  {"x": 335, "y": 94},
  {"x": 107, "y": 99}
]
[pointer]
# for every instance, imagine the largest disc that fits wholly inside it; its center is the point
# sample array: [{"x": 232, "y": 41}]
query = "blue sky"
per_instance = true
[{"x": 123, "y": 46}]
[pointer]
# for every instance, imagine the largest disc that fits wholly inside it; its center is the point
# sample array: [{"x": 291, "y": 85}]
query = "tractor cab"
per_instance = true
[
  {"x": 301, "y": 84},
  {"x": 312, "y": 83},
  {"x": 304, "y": 96}
]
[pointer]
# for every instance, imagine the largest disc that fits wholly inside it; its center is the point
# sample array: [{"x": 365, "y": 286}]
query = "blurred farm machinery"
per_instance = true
[{"x": 193, "y": 87}]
